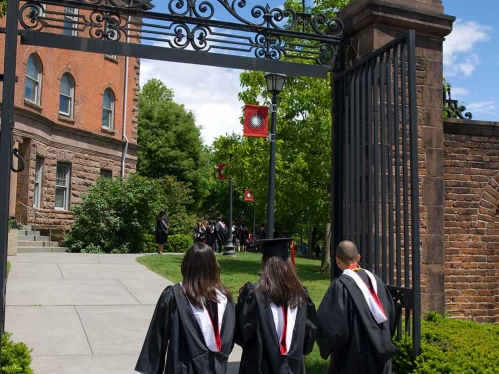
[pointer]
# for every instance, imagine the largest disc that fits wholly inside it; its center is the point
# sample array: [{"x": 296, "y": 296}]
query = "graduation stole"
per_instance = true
[
  {"x": 282, "y": 343},
  {"x": 212, "y": 309},
  {"x": 371, "y": 296},
  {"x": 288, "y": 325}
]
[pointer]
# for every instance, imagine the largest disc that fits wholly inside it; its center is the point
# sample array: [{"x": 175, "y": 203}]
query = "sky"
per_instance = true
[{"x": 471, "y": 65}]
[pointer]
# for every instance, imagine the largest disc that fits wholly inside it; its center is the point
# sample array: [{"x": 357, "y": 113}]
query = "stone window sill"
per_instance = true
[
  {"x": 66, "y": 119},
  {"x": 108, "y": 131},
  {"x": 32, "y": 105}
]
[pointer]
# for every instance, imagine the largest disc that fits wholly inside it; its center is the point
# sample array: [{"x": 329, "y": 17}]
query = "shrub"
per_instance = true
[
  {"x": 451, "y": 346},
  {"x": 114, "y": 216},
  {"x": 179, "y": 243},
  {"x": 16, "y": 357}
]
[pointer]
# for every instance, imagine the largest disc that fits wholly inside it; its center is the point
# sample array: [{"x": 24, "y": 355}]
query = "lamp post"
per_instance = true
[
  {"x": 275, "y": 84},
  {"x": 229, "y": 247},
  {"x": 254, "y": 220}
]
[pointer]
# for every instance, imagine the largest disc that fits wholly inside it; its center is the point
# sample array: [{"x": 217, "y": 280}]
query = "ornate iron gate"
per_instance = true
[
  {"x": 375, "y": 171},
  {"x": 375, "y": 139}
]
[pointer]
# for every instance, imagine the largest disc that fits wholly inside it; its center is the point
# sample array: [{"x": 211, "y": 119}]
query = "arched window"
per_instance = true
[
  {"x": 67, "y": 94},
  {"x": 108, "y": 110},
  {"x": 33, "y": 80}
]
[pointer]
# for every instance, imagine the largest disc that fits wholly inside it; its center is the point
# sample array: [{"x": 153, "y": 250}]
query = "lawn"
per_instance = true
[{"x": 244, "y": 268}]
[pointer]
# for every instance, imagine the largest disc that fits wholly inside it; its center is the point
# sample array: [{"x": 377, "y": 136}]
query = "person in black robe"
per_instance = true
[
  {"x": 161, "y": 231},
  {"x": 243, "y": 237},
  {"x": 276, "y": 319},
  {"x": 194, "y": 321},
  {"x": 356, "y": 319},
  {"x": 221, "y": 233}
]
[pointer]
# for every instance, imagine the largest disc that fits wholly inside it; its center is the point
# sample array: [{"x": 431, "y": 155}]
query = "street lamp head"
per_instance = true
[{"x": 275, "y": 82}]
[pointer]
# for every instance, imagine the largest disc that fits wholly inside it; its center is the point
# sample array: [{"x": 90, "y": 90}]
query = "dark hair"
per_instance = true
[
  {"x": 161, "y": 215},
  {"x": 201, "y": 276},
  {"x": 346, "y": 251},
  {"x": 280, "y": 283}
]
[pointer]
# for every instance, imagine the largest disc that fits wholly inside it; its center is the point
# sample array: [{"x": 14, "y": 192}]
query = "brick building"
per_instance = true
[{"x": 75, "y": 119}]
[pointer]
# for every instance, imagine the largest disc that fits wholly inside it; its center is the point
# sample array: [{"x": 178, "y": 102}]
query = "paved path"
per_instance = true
[{"x": 83, "y": 313}]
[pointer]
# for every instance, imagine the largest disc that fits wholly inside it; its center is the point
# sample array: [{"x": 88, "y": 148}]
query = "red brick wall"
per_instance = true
[
  {"x": 471, "y": 172},
  {"x": 92, "y": 73}
]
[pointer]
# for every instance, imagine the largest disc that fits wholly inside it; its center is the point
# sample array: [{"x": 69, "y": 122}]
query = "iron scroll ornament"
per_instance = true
[
  {"x": 270, "y": 17},
  {"x": 452, "y": 107},
  {"x": 271, "y": 33}
]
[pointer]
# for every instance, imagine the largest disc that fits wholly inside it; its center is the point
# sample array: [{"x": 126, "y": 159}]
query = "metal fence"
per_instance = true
[{"x": 375, "y": 171}]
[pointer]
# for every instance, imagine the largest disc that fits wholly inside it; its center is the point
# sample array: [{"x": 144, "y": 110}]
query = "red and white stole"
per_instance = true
[
  {"x": 371, "y": 297},
  {"x": 284, "y": 322},
  {"x": 210, "y": 332}
]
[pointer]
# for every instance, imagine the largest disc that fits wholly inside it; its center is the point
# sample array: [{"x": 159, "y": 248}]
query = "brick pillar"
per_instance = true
[{"x": 371, "y": 24}]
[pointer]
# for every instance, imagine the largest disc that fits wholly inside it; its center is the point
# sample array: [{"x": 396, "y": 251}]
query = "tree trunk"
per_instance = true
[{"x": 326, "y": 250}]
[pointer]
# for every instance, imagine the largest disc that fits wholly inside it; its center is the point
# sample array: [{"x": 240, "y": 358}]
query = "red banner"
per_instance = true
[
  {"x": 248, "y": 195},
  {"x": 221, "y": 171},
  {"x": 255, "y": 120}
]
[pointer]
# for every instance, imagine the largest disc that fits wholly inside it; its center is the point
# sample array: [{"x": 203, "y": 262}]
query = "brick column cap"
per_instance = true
[{"x": 426, "y": 18}]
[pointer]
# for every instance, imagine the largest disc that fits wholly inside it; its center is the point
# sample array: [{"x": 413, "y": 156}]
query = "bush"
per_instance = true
[
  {"x": 16, "y": 357},
  {"x": 179, "y": 243},
  {"x": 119, "y": 215},
  {"x": 114, "y": 216},
  {"x": 450, "y": 346}
]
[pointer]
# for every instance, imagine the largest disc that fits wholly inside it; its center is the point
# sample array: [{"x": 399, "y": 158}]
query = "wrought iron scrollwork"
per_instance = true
[
  {"x": 15, "y": 153},
  {"x": 452, "y": 107},
  {"x": 268, "y": 33}
]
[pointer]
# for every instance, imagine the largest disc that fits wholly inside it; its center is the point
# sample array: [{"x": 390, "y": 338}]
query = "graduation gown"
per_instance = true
[
  {"x": 256, "y": 334},
  {"x": 174, "y": 329},
  {"x": 348, "y": 331}
]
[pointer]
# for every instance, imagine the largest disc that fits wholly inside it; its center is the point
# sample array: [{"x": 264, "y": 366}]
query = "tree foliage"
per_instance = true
[
  {"x": 171, "y": 142},
  {"x": 303, "y": 159},
  {"x": 303, "y": 151}
]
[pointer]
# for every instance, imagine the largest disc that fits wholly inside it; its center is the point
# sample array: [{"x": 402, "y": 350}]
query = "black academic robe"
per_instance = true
[
  {"x": 174, "y": 328},
  {"x": 347, "y": 330},
  {"x": 256, "y": 334}
]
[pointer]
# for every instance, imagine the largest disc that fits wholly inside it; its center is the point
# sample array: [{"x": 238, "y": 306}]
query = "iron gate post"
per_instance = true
[
  {"x": 9, "y": 79},
  {"x": 413, "y": 116}
]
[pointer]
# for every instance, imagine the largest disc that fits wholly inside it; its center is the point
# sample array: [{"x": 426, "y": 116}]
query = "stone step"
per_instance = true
[
  {"x": 21, "y": 233},
  {"x": 33, "y": 237},
  {"x": 40, "y": 249},
  {"x": 38, "y": 243}
]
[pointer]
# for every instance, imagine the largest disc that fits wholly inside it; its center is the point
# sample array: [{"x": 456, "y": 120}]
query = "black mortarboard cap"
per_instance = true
[{"x": 275, "y": 247}]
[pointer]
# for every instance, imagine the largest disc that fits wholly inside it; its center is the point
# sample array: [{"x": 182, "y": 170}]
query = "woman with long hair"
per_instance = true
[
  {"x": 276, "y": 318},
  {"x": 194, "y": 321}
]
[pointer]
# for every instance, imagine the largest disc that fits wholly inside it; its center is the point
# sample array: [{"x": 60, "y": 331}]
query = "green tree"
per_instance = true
[
  {"x": 171, "y": 142},
  {"x": 303, "y": 160}
]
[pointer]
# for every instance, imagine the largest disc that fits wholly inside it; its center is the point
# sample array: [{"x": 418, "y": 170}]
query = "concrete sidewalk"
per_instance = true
[{"x": 83, "y": 313}]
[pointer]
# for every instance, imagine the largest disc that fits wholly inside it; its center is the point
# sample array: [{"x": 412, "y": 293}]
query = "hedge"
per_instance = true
[
  {"x": 451, "y": 346},
  {"x": 16, "y": 357}
]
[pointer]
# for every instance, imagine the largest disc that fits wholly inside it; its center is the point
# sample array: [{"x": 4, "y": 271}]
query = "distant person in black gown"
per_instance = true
[
  {"x": 192, "y": 329},
  {"x": 356, "y": 319},
  {"x": 162, "y": 224}
]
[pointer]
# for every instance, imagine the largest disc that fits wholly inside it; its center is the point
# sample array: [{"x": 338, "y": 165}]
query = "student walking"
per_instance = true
[
  {"x": 276, "y": 318},
  {"x": 356, "y": 319},
  {"x": 192, "y": 329}
]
